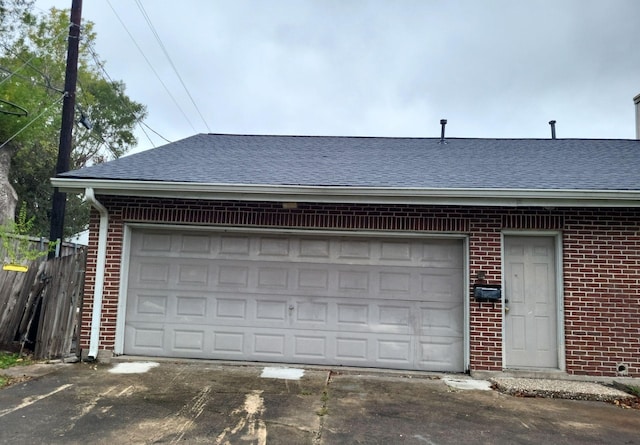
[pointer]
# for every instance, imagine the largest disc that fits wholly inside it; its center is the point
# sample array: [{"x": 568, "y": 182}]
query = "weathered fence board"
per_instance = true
[
  {"x": 48, "y": 297},
  {"x": 14, "y": 291},
  {"x": 60, "y": 302}
]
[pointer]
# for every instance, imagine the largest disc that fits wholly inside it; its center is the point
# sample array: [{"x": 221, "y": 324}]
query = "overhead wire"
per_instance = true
[
  {"x": 28, "y": 124},
  {"x": 107, "y": 77},
  {"x": 101, "y": 70},
  {"x": 30, "y": 65},
  {"x": 47, "y": 85},
  {"x": 151, "y": 67},
  {"x": 30, "y": 80},
  {"x": 173, "y": 66},
  {"x": 14, "y": 73}
]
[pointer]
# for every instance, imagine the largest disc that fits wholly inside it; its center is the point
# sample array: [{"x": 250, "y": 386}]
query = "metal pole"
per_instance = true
[{"x": 59, "y": 200}]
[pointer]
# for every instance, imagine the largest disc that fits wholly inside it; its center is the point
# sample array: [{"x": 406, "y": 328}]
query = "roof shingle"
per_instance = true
[{"x": 562, "y": 164}]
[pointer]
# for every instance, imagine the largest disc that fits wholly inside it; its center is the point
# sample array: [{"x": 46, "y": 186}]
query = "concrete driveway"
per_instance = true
[{"x": 217, "y": 403}]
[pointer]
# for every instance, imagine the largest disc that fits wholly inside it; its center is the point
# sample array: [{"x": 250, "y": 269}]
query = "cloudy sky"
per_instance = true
[{"x": 493, "y": 68}]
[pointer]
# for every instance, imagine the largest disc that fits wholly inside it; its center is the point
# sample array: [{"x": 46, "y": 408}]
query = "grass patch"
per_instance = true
[
  {"x": 8, "y": 360},
  {"x": 635, "y": 390}
]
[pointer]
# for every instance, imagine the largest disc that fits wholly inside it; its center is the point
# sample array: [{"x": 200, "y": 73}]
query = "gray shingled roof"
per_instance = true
[{"x": 564, "y": 164}]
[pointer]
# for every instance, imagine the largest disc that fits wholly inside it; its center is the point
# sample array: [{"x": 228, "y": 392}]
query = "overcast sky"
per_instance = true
[{"x": 493, "y": 68}]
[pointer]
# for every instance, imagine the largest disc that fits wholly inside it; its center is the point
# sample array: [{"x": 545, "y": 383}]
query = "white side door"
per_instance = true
[{"x": 530, "y": 302}]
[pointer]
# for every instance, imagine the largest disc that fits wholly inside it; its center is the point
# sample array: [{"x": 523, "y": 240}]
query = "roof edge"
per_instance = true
[{"x": 369, "y": 195}]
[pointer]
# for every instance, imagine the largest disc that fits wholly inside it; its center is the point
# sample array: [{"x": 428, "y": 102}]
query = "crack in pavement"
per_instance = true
[{"x": 317, "y": 440}]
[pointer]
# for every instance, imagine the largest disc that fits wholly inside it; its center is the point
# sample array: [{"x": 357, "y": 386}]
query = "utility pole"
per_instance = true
[{"x": 59, "y": 201}]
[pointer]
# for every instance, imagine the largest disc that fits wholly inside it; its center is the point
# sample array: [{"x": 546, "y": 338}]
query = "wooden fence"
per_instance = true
[{"x": 39, "y": 309}]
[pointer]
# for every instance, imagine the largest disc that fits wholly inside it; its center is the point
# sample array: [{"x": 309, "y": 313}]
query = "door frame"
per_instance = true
[
  {"x": 560, "y": 339},
  {"x": 130, "y": 227}
]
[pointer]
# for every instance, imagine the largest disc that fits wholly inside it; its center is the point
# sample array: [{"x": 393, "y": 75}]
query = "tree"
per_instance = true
[
  {"x": 12, "y": 14},
  {"x": 32, "y": 66}
]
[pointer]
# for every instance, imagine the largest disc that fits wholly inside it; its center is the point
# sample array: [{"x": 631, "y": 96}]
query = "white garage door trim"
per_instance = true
[{"x": 119, "y": 346}]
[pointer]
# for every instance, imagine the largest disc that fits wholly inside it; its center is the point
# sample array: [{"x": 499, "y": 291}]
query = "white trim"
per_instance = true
[
  {"x": 557, "y": 239},
  {"x": 130, "y": 227},
  {"x": 122, "y": 290},
  {"x": 366, "y": 195},
  {"x": 561, "y": 341},
  {"x": 98, "y": 288},
  {"x": 467, "y": 304}
]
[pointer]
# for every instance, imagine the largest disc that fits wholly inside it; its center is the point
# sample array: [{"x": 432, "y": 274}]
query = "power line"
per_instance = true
[
  {"x": 14, "y": 73},
  {"x": 154, "y": 131},
  {"x": 152, "y": 68},
  {"x": 30, "y": 65},
  {"x": 59, "y": 99},
  {"x": 166, "y": 53},
  {"x": 105, "y": 74},
  {"x": 30, "y": 80}
]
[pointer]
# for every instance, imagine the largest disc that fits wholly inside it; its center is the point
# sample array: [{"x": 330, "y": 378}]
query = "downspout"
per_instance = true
[{"x": 99, "y": 281}]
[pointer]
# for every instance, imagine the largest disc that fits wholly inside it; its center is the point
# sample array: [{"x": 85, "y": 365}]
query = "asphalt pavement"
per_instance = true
[{"x": 221, "y": 403}]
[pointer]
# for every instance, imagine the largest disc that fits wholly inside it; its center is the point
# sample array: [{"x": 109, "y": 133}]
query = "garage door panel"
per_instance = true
[
  {"x": 273, "y": 247},
  {"x": 440, "y": 353},
  {"x": 396, "y": 251},
  {"x": 192, "y": 274},
  {"x": 229, "y": 344},
  {"x": 191, "y": 340},
  {"x": 352, "y": 315},
  {"x": 196, "y": 245},
  {"x": 146, "y": 338},
  {"x": 268, "y": 345},
  {"x": 441, "y": 319},
  {"x": 191, "y": 309},
  {"x": 395, "y": 351},
  {"x": 312, "y": 280},
  {"x": 310, "y": 346},
  {"x": 232, "y": 308},
  {"x": 442, "y": 253},
  {"x": 394, "y": 303},
  {"x": 153, "y": 274},
  {"x": 154, "y": 242},
  {"x": 149, "y": 306},
  {"x": 441, "y": 284},
  {"x": 392, "y": 318},
  {"x": 233, "y": 246},
  {"x": 317, "y": 249},
  {"x": 269, "y": 311},
  {"x": 311, "y": 313}
]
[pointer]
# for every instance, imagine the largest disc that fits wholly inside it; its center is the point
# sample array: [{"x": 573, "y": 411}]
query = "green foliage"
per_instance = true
[
  {"x": 16, "y": 242},
  {"x": 7, "y": 360},
  {"x": 12, "y": 13},
  {"x": 32, "y": 69}
]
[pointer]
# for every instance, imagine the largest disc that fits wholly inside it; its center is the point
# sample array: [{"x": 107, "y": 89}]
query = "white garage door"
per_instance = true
[{"x": 386, "y": 303}]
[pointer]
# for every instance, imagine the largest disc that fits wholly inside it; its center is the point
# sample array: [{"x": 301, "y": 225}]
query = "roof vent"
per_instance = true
[
  {"x": 636, "y": 100},
  {"x": 443, "y": 123},
  {"x": 553, "y": 129}
]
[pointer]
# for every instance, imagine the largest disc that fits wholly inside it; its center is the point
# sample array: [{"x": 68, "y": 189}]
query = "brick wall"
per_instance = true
[
  {"x": 601, "y": 249},
  {"x": 602, "y": 291}
]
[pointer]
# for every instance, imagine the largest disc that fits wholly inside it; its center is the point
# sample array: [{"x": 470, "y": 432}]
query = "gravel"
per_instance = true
[{"x": 559, "y": 389}]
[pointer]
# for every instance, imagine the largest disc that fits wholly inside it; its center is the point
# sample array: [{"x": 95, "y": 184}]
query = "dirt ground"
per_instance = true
[{"x": 216, "y": 403}]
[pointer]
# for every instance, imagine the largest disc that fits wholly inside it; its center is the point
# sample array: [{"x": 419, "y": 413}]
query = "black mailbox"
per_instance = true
[{"x": 487, "y": 292}]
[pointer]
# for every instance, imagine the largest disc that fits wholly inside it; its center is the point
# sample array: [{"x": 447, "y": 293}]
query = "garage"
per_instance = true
[{"x": 384, "y": 302}]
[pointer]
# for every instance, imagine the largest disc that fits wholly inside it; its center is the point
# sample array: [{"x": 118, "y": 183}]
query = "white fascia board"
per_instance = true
[{"x": 365, "y": 195}]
